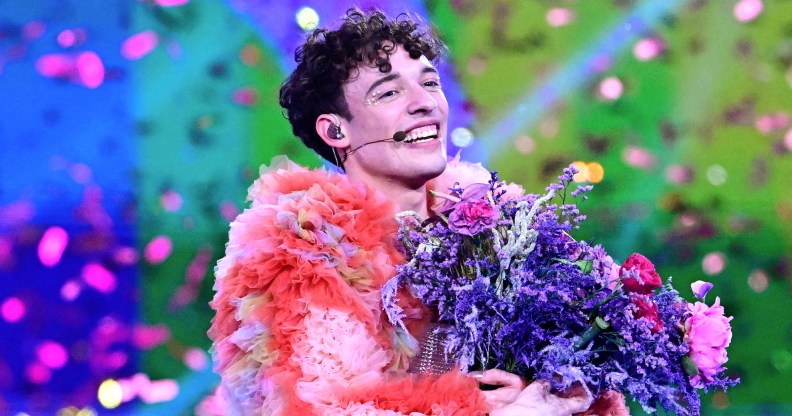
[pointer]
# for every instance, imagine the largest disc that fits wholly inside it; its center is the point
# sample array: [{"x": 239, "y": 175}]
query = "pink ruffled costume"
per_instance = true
[{"x": 298, "y": 328}]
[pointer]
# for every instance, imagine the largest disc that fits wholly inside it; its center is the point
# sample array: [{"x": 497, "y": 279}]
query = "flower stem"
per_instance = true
[{"x": 596, "y": 327}]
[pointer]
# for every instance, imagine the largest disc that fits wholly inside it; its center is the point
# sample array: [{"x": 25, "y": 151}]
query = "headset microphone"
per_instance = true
[{"x": 399, "y": 136}]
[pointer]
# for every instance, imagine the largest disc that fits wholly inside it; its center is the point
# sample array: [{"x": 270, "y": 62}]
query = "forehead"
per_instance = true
[{"x": 401, "y": 63}]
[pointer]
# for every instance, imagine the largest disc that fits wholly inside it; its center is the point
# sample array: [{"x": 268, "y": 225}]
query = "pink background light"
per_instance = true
[
  {"x": 52, "y": 245},
  {"x": 158, "y": 249},
  {"x": 139, "y": 45},
  {"x": 99, "y": 278},
  {"x": 52, "y": 354},
  {"x": 13, "y": 310}
]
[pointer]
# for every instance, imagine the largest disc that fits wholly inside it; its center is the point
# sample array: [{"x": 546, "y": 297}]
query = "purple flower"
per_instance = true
[
  {"x": 700, "y": 288},
  {"x": 471, "y": 217}
]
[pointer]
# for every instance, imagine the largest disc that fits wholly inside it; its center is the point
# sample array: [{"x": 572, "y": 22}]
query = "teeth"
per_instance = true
[{"x": 422, "y": 134}]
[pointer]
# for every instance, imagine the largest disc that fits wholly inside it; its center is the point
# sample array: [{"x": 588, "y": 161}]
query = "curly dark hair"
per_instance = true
[{"x": 329, "y": 58}]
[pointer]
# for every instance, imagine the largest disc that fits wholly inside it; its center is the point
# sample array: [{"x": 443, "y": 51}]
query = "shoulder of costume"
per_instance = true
[{"x": 292, "y": 207}]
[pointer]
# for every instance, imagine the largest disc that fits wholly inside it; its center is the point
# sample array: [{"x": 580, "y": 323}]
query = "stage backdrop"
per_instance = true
[{"x": 130, "y": 130}]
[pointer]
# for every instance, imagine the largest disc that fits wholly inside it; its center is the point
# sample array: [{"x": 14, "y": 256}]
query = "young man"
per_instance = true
[{"x": 299, "y": 328}]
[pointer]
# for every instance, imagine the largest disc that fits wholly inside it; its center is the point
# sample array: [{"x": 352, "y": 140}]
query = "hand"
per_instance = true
[
  {"x": 502, "y": 396},
  {"x": 536, "y": 400}
]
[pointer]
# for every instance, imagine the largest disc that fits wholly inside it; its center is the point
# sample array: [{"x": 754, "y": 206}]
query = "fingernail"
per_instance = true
[{"x": 476, "y": 374}]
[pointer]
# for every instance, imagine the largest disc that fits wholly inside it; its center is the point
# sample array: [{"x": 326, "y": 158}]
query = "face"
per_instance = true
[{"x": 409, "y": 98}]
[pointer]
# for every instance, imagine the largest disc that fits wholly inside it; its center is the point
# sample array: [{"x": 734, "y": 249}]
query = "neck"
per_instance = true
[{"x": 407, "y": 198}]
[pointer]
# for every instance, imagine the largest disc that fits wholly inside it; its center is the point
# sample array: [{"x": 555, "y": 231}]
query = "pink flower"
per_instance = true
[
  {"x": 464, "y": 174},
  {"x": 472, "y": 216},
  {"x": 639, "y": 275},
  {"x": 708, "y": 333},
  {"x": 647, "y": 309}
]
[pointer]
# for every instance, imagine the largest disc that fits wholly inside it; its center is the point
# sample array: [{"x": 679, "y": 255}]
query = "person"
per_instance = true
[{"x": 299, "y": 328}]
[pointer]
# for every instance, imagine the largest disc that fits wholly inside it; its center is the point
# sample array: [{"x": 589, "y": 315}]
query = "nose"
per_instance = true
[{"x": 421, "y": 101}]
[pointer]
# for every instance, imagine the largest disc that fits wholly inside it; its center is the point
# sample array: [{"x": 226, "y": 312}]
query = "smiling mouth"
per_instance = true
[{"x": 422, "y": 134}]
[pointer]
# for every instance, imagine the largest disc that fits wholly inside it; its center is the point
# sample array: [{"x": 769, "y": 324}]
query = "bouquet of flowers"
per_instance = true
[{"x": 518, "y": 293}]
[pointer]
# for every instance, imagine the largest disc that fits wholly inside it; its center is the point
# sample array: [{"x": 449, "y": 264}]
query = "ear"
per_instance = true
[{"x": 323, "y": 123}]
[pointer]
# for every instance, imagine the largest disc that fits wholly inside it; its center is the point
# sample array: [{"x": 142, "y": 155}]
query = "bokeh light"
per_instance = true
[
  {"x": 717, "y": 175},
  {"x": 307, "y": 18},
  {"x": 109, "y": 394},
  {"x": 462, "y": 137},
  {"x": 747, "y": 10},
  {"x": 559, "y": 16},
  {"x": 758, "y": 281},
  {"x": 13, "y": 310},
  {"x": 713, "y": 263},
  {"x": 158, "y": 249},
  {"x": 52, "y": 354},
  {"x": 139, "y": 45},
  {"x": 52, "y": 245},
  {"x": 611, "y": 88}
]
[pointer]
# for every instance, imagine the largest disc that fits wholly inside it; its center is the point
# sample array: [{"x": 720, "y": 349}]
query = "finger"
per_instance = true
[{"x": 501, "y": 378}]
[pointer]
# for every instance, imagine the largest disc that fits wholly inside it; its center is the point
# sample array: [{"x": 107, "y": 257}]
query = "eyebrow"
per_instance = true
[{"x": 391, "y": 77}]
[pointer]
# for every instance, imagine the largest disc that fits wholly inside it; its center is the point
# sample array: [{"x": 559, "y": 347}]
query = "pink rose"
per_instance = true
[
  {"x": 473, "y": 216},
  {"x": 647, "y": 309},
  {"x": 639, "y": 275},
  {"x": 708, "y": 333}
]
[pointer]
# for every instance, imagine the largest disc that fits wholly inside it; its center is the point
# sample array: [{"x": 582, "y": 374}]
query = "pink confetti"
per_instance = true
[
  {"x": 557, "y": 17},
  {"x": 171, "y": 3},
  {"x": 747, "y": 10},
  {"x": 90, "y": 69},
  {"x": 70, "y": 290},
  {"x": 99, "y": 278},
  {"x": 148, "y": 337},
  {"x": 37, "y": 373},
  {"x": 33, "y": 30},
  {"x": 52, "y": 245},
  {"x": 139, "y": 45},
  {"x": 611, "y": 88},
  {"x": 639, "y": 157},
  {"x": 158, "y": 249},
  {"x": 713, "y": 263},
  {"x": 159, "y": 391},
  {"x": 52, "y": 354},
  {"x": 13, "y": 310},
  {"x": 195, "y": 359},
  {"x": 647, "y": 49},
  {"x": 171, "y": 200},
  {"x": 245, "y": 96}
]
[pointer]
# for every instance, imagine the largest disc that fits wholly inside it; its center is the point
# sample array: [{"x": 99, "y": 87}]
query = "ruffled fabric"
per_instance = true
[{"x": 298, "y": 327}]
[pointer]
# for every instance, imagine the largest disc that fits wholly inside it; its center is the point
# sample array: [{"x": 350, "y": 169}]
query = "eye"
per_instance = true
[{"x": 432, "y": 84}]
